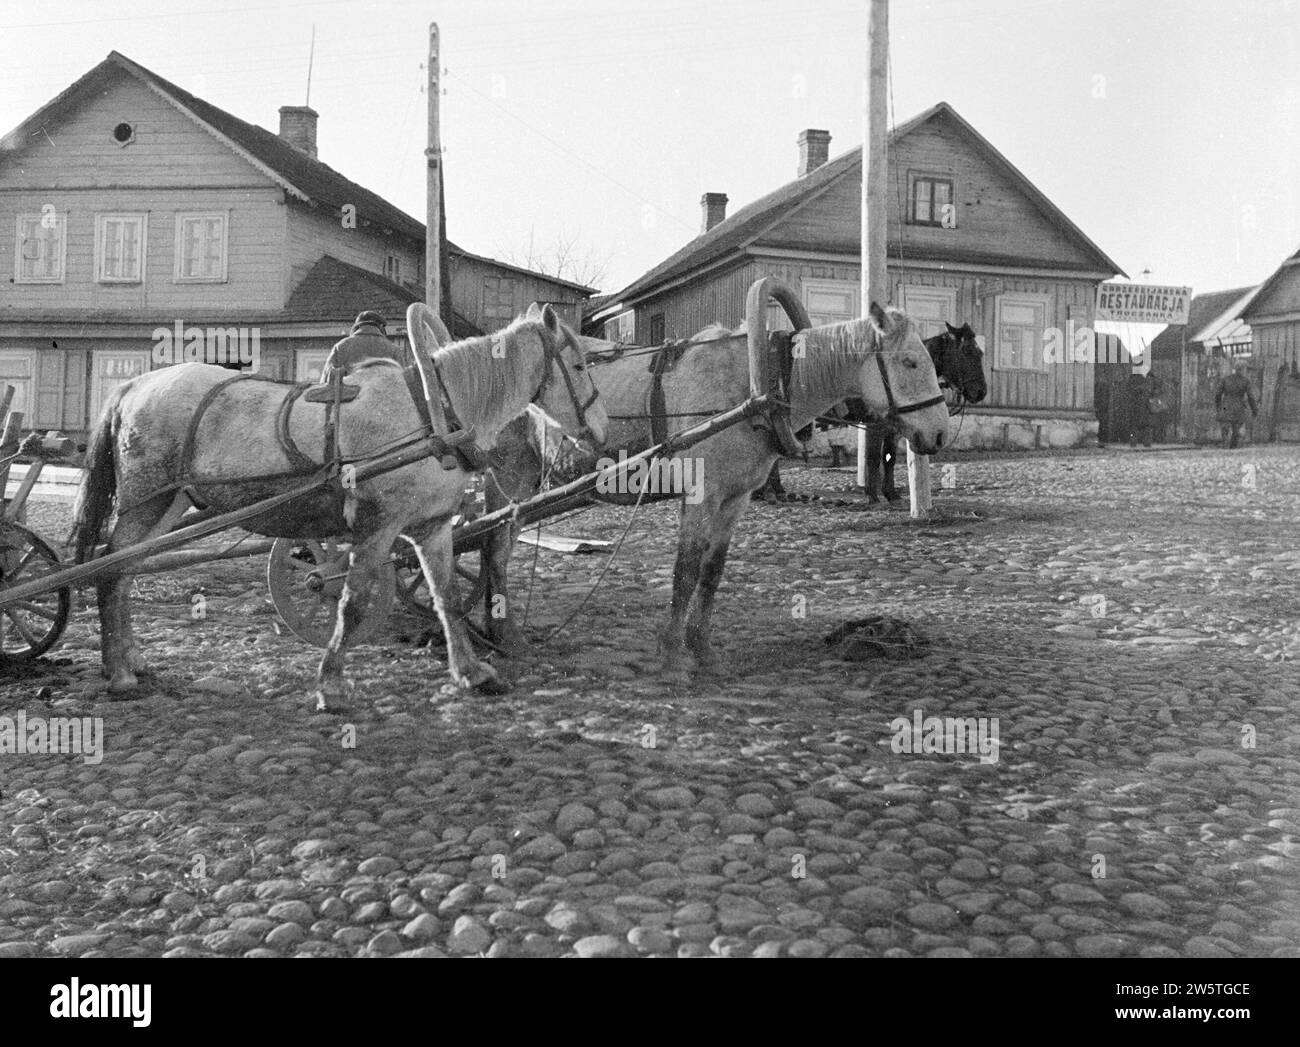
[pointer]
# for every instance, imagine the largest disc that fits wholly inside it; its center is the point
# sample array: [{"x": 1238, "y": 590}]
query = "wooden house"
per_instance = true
[
  {"x": 1272, "y": 312},
  {"x": 130, "y": 208},
  {"x": 1189, "y": 359},
  {"x": 970, "y": 239}
]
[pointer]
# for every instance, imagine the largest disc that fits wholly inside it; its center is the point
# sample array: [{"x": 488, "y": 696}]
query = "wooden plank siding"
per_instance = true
[
  {"x": 993, "y": 216},
  {"x": 720, "y": 298},
  {"x": 255, "y": 253},
  {"x": 469, "y": 293},
  {"x": 313, "y": 232}
]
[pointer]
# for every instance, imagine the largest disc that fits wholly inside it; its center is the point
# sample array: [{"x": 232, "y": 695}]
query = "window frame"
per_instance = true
[
  {"x": 393, "y": 267},
  {"x": 491, "y": 317},
  {"x": 915, "y": 178},
  {"x": 28, "y": 405},
  {"x": 62, "y": 226},
  {"x": 811, "y": 285},
  {"x": 623, "y": 337},
  {"x": 178, "y": 275},
  {"x": 1032, "y": 298},
  {"x": 101, "y": 219},
  {"x": 658, "y": 320},
  {"x": 922, "y": 291}
]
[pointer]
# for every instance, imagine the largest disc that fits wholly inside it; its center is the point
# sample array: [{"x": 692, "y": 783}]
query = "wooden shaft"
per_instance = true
[
  {"x": 8, "y": 445},
  {"x": 193, "y": 557},
  {"x": 555, "y": 501},
  {"x": 18, "y": 506}
]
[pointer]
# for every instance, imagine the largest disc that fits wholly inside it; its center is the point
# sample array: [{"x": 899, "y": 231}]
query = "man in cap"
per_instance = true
[
  {"x": 1230, "y": 401},
  {"x": 367, "y": 341}
]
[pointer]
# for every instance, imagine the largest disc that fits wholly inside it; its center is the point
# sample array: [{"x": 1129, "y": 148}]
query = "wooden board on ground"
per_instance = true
[{"x": 562, "y": 544}]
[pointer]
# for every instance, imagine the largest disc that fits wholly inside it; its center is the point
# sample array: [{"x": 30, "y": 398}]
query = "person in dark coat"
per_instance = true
[
  {"x": 1230, "y": 402},
  {"x": 367, "y": 341},
  {"x": 1158, "y": 408},
  {"x": 1139, "y": 409}
]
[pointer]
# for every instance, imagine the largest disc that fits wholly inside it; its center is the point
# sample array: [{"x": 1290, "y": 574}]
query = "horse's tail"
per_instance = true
[{"x": 98, "y": 490}]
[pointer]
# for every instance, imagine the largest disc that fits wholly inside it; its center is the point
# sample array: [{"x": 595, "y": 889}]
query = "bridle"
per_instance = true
[
  {"x": 895, "y": 410},
  {"x": 555, "y": 361}
]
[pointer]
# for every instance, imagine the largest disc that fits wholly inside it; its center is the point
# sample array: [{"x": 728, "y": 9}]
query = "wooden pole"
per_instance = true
[{"x": 433, "y": 152}]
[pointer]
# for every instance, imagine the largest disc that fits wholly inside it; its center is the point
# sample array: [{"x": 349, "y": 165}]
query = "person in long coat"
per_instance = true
[
  {"x": 1231, "y": 399},
  {"x": 1138, "y": 388}
]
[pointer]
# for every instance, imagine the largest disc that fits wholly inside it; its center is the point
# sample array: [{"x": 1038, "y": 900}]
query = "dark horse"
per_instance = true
[{"x": 959, "y": 363}]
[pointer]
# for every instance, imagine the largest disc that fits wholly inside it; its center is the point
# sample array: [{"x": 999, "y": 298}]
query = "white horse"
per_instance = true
[{"x": 153, "y": 445}]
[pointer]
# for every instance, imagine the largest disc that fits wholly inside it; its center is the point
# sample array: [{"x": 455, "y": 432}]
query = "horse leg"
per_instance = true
[
  {"x": 368, "y": 558},
  {"x": 875, "y": 453},
  {"x": 699, "y": 620},
  {"x": 692, "y": 541},
  {"x": 122, "y": 658},
  {"x": 435, "y": 555},
  {"x": 890, "y": 454}
]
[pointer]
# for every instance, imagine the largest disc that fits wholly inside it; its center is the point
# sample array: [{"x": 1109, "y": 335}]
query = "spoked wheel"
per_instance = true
[
  {"x": 471, "y": 584},
  {"x": 306, "y": 578},
  {"x": 31, "y": 627}
]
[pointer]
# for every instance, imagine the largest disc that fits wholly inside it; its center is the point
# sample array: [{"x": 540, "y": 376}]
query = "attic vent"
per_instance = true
[{"x": 124, "y": 134}]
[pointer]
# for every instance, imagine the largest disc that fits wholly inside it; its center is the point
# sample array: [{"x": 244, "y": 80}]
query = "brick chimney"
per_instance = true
[
  {"x": 298, "y": 127},
  {"x": 814, "y": 148},
  {"x": 714, "y": 206}
]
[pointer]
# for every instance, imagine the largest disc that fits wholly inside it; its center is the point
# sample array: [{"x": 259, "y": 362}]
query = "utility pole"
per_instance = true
[
  {"x": 433, "y": 210},
  {"x": 875, "y": 222}
]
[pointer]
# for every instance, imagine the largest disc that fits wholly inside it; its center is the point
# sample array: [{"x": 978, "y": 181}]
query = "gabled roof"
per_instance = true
[
  {"x": 1262, "y": 291},
  {"x": 336, "y": 290},
  {"x": 1226, "y": 325},
  {"x": 742, "y": 228},
  {"x": 1201, "y": 311},
  {"x": 581, "y": 289},
  {"x": 303, "y": 176}
]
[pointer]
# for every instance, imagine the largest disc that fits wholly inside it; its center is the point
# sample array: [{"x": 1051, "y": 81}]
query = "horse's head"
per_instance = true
[
  {"x": 899, "y": 383},
  {"x": 963, "y": 363},
  {"x": 558, "y": 453},
  {"x": 573, "y": 400}
]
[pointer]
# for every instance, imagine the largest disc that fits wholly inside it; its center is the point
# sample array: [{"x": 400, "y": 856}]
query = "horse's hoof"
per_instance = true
[
  {"x": 330, "y": 703},
  {"x": 123, "y": 681},
  {"x": 492, "y": 685}
]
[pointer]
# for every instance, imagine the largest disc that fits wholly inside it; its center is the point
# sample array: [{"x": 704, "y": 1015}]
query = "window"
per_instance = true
[
  {"x": 1021, "y": 324},
  {"x": 109, "y": 369},
  {"x": 657, "y": 329},
  {"x": 200, "y": 248},
  {"x": 827, "y": 302},
  {"x": 393, "y": 268},
  {"x": 498, "y": 302},
  {"x": 119, "y": 248},
  {"x": 932, "y": 202},
  {"x": 931, "y": 307},
  {"x": 308, "y": 364},
  {"x": 41, "y": 247},
  {"x": 18, "y": 368},
  {"x": 621, "y": 328}
]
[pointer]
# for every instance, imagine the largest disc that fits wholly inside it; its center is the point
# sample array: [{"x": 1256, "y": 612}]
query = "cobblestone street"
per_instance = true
[{"x": 1131, "y": 620}]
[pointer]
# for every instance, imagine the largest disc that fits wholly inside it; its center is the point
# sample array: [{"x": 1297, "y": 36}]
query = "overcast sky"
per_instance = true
[{"x": 1168, "y": 131}]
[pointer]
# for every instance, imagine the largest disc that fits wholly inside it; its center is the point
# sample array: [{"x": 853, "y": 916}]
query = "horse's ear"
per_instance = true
[
  {"x": 881, "y": 319},
  {"x": 549, "y": 319},
  {"x": 534, "y": 312},
  {"x": 953, "y": 330}
]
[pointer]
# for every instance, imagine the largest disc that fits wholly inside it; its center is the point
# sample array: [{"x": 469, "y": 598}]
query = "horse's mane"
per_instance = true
[{"x": 483, "y": 383}]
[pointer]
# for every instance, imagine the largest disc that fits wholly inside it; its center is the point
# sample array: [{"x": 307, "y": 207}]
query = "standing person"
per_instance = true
[
  {"x": 1230, "y": 402},
  {"x": 1159, "y": 408},
  {"x": 1139, "y": 410}
]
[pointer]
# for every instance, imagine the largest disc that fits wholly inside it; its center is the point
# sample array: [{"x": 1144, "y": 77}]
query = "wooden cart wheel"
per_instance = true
[
  {"x": 413, "y": 591},
  {"x": 305, "y": 577},
  {"x": 31, "y": 627}
]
